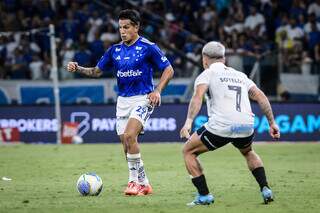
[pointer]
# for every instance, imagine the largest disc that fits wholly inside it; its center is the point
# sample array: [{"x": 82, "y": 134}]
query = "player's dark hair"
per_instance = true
[{"x": 130, "y": 14}]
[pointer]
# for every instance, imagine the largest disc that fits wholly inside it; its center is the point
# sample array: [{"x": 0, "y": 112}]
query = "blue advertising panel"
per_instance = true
[
  {"x": 3, "y": 98},
  {"x": 68, "y": 94},
  {"x": 297, "y": 122}
]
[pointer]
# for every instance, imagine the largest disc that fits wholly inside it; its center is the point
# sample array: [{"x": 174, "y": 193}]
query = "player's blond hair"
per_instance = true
[{"x": 214, "y": 49}]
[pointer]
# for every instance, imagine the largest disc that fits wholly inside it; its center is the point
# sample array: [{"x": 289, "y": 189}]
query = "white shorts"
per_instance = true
[{"x": 137, "y": 107}]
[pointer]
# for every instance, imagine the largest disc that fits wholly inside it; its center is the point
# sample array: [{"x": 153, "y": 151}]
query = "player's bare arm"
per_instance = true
[
  {"x": 193, "y": 110},
  {"x": 154, "y": 97},
  {"x": 257, "y": 95},
  {"x": 88, "y": 71}
]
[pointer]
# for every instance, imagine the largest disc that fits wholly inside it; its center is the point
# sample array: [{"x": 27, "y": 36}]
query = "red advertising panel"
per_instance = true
[{"x": 9, "y": 134}]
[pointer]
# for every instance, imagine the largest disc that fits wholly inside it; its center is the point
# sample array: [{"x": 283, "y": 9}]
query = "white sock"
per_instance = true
[
  {"x": 142, "y": 176},
  {"x": 133, "y": 166}
]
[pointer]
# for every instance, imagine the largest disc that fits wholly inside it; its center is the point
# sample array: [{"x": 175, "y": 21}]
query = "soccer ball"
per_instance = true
[
  {"x": 76, "y": 139},
  {"x": 89, "y": 184}
]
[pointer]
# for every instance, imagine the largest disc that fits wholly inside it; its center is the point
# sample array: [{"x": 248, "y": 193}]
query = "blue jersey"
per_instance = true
[{"x": 134, "y": 66}]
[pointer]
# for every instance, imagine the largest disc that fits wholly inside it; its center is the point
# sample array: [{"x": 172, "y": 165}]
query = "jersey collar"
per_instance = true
[
  {"x": 216, "y": 64},
  {"x": 132, "y": 43}
]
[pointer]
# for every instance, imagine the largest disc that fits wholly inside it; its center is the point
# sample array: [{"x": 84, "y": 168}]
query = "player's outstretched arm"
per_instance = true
[
  {"x": 194, "y": 108},
  {"x": 256, "y": 94},
  {"x": 154, "y": 97},
  {"x": 88, "y": 71}
]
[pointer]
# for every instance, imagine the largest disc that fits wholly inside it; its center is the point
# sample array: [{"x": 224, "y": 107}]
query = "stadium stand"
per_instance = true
[{"x": 283, "y": 36}]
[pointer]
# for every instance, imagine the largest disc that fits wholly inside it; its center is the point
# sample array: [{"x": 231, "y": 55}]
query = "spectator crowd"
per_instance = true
[{"x": 250, "y": 29}]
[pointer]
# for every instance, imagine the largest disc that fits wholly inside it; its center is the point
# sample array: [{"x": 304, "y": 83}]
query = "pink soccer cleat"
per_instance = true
[
  {"x": 132, "y": 188},
  {"x": 145, "y": 190}
]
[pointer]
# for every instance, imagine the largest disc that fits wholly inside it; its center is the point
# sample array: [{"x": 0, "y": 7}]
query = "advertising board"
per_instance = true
[{"x": 97, "y": 123}]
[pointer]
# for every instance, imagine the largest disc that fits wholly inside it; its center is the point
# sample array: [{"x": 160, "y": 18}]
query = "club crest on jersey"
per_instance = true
[
  {"x": 138, "y": 48},
  {"x": 118, "y": 49}
]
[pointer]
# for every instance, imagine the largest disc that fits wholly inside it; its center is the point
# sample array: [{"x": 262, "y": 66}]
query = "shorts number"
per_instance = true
[
  {"x": 141, "y": 110},
  {"x": 238, "y": 96}
]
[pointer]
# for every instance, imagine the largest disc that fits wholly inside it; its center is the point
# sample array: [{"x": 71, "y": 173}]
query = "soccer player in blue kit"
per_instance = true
[{"x": 132, "y": 60}]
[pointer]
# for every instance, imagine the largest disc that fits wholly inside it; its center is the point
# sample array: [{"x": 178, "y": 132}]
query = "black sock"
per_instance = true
[
  {"x": 260, "y": 176},
  {"x": 201, "y": 184}
]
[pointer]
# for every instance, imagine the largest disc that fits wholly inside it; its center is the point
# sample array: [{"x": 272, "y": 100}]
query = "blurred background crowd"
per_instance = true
[{"x": 252, "y": 30}]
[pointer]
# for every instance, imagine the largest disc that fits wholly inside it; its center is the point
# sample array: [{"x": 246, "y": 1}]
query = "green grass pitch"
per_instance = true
[{"x": 44, "y": 179}]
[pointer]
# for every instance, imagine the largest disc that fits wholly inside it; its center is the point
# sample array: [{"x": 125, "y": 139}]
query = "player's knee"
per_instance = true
[
  {"x": 247, "y": 151},
  {"x": 129, "y": 137},
  {"x": 186, "y": 150}
]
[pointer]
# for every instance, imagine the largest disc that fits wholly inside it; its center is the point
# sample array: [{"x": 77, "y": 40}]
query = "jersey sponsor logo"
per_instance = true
[
  {"x": 242, "y": 128},
  {"x": 126, "y": 58},
  {"x": 128, "y": 73}
]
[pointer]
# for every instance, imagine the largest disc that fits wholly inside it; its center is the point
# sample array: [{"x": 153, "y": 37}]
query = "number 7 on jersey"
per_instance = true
[{"x": 238, "y": 96}]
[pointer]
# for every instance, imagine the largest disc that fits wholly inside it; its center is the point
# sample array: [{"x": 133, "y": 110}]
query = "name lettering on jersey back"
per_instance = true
[
  {"x": 128, "y": 73},
  {"x": 231, "y": 80}
]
